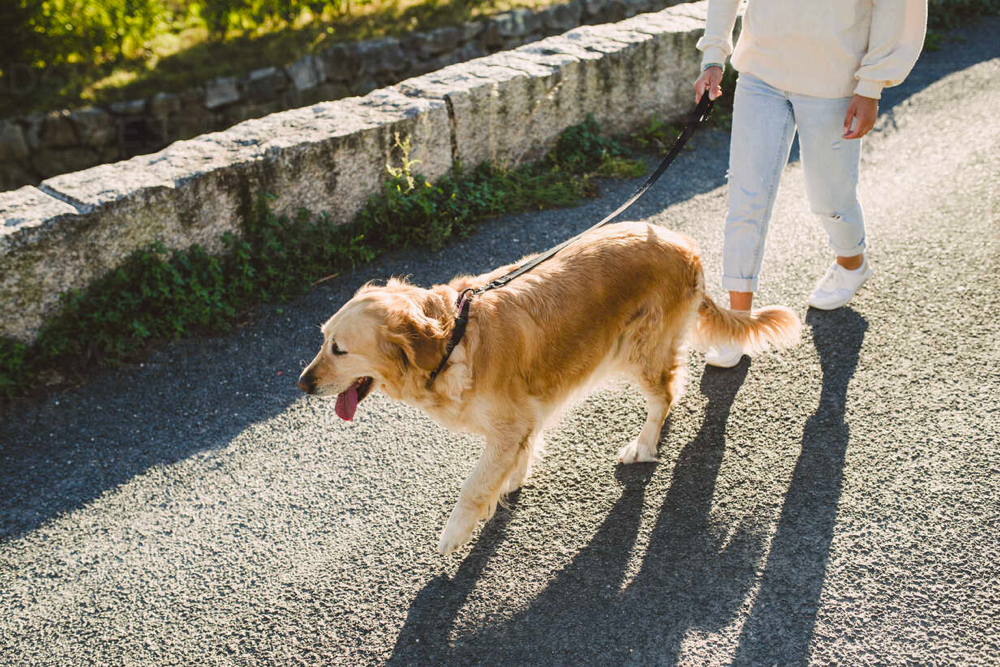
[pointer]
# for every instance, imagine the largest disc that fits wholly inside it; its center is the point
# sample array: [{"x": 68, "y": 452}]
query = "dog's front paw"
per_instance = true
[
  {"x": 636, "y": 452},
  {"x": 456, "y": 533}
]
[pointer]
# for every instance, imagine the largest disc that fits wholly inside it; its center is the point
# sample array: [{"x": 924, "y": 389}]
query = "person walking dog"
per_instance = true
[{"x": 818, "y": 66}]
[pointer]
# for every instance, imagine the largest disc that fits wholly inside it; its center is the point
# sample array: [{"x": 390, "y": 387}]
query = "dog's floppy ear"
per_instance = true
[{"x": 418, "y": 338}]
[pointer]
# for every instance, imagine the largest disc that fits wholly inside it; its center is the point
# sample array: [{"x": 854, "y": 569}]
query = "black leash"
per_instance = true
[{"x": 465, "y": 298}]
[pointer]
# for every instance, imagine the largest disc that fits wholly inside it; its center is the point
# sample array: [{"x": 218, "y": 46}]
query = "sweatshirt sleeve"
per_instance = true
[
  {"x": 895, "y": 41},
  {"x": 717, "y": 42}
]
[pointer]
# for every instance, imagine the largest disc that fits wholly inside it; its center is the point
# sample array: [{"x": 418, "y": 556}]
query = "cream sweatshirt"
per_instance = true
[{"x": 823, "y": 48}]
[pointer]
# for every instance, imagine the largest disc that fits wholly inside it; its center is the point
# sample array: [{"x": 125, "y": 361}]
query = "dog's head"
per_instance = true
[{"x": 388, "y": 337}]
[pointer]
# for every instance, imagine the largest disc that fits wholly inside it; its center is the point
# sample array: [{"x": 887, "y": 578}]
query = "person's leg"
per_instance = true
[
  {"x": 831, "y": 166},
  {"x": 763, "y": 128}
]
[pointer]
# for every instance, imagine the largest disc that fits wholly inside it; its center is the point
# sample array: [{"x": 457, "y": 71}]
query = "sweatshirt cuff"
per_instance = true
[
  {"x": 869, "y": 88},
  {"x": 714, "y": 54}
]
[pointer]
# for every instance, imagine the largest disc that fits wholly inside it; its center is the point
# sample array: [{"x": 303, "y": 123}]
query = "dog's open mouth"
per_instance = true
[{"x": 347, "y": 401}]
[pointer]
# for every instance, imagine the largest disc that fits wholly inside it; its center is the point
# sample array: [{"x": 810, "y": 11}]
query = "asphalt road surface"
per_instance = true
[{"x": 835, "y": 503}]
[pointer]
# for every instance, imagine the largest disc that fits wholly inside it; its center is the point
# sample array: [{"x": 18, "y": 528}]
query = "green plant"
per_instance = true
[{"x": 158, "y": 294}]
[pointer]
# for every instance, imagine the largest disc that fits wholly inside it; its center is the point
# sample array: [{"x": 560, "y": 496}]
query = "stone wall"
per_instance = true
[
  {"x": 39, "y": 146},
  {"x": 507, "y": 107}
]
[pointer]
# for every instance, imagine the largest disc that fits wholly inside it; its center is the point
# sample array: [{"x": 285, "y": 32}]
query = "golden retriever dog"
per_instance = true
[{"x": 624, "y": 299}]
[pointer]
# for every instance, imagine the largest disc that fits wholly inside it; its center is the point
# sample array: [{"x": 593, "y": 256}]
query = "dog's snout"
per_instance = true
[{"x": 306, "y": 383}]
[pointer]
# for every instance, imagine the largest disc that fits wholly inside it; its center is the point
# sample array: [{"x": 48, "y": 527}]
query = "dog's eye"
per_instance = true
[{"x": 336, "y": 350}]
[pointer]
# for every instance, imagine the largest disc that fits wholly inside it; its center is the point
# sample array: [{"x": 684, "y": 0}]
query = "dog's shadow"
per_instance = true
[{"x": 588, "y": 606}]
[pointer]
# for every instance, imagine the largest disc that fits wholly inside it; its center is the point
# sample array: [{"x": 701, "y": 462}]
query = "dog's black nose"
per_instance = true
[{"x": 306, "y": 384}]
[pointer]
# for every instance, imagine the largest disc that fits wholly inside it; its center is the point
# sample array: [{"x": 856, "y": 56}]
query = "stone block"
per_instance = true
[
  {"x": 164, "y": 104},
  {"x": 515, "y": 24},
  {"x": 384, "y": 55},
  {"x": 129, "y": 108},
  {"x": 94, "y": 126},
  {"x": 592, "y": 9},
  {"x": 57, "y": 130},
  {"x": 13, "y": 145},
  {"x": 304, "y": 73},
  {"x": 435, "y": 42},
  {"x": 34, "y": 260},
  {"x": 221, "y": 92},
  {"x": 264, "y": 85},
  {"x": 500, "y": 107},
  {"x": 341, "y": 62},
  {"x": 472, "y": 30},
  {"x": 560, "y": 18}
]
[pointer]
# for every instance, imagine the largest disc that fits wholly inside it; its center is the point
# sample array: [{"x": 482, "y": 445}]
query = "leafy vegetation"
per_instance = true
[
  {"x": 159, "y": 294},
  {"x": 69, "y": 53}
]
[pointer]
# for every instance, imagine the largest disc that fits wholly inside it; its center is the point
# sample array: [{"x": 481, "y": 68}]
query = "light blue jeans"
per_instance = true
[{"x": 764, "y": 124}]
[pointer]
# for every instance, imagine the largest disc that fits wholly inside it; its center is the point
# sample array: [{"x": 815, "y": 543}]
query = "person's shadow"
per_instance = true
[
  {"x": 691, "y": 576},
  {"x": 584, "y": 612},
  {"x": 781, "y": 623}
]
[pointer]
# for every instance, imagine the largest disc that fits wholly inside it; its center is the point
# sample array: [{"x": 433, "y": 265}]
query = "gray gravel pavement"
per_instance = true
[{"x": 833, "y": 504}]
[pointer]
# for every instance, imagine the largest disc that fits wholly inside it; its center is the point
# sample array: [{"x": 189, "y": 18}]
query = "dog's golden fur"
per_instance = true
[{"x": 624, "y": 299}]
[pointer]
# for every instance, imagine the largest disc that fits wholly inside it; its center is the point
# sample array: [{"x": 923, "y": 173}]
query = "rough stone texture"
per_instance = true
[
  {"x": 220, "y": 92},
  {"x": 505, "y": 108},
  {"x": 13, "y": 145},
  {"x": 512, "y": 24},
  {"x": 94, "y": 126},
  {"x": 561, "y": 18},
  {"x": 57, "y": 130},
  {"x": 33, "y": 237},
  {"x": 436, "y": 42},
  {"x": 264, "y": 84},
  {"x": 303, "y": 73}
]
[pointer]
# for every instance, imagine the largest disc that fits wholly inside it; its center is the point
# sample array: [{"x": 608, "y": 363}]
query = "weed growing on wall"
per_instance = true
[{"x": 159, "y": 294}]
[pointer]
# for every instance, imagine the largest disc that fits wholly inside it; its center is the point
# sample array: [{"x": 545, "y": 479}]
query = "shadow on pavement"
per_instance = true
[
  {"x": 424, "y": 637},
  {"x": 689, "y": 576},
  {"x": 61, "y": 454},
  {"x": 779, "y": 629}
]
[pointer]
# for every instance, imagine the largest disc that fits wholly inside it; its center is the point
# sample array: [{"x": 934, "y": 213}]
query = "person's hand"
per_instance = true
[
  {"x": 710, "y": 80},
  {"x": 863, "y": 110}
]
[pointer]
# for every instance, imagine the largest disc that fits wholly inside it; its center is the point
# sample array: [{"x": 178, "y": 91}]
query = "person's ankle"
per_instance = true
[{"x": 852, "y": 263}]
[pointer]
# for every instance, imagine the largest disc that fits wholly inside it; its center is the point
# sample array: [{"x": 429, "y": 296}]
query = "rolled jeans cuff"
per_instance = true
[
  {"x": 731, "y": 284},
  {"x": 852, "y": 251}
]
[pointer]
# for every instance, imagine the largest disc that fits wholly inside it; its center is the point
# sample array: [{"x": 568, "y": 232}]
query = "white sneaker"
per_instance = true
[
  {"x": 838, "y": 285},
  {"x": 724, "y": 356}
]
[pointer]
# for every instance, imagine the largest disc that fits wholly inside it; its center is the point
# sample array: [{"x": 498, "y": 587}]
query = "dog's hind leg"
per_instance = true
[
  {"x": 482, "y": 489},
  {"x": 662, "y": 383}
]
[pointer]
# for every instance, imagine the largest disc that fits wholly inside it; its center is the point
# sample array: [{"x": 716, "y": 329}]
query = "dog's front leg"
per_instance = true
[{"x": 481, "y": 490}]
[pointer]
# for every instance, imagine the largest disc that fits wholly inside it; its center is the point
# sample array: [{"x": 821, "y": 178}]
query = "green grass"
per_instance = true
[{"x": 158, "y": 295}]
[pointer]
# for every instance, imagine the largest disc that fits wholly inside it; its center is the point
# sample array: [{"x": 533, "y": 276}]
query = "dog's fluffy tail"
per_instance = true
[{"x": 773, "y": 326}]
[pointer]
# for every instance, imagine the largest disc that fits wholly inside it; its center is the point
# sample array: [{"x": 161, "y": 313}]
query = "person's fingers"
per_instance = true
[
  {"x": 852, "y": 112},
  {"x": 863, "y": 125},
  {"x": 701, "y": 87}
]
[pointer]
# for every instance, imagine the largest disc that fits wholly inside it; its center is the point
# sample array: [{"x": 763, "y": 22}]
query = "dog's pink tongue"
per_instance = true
[{"x": 347, "y": 403}]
